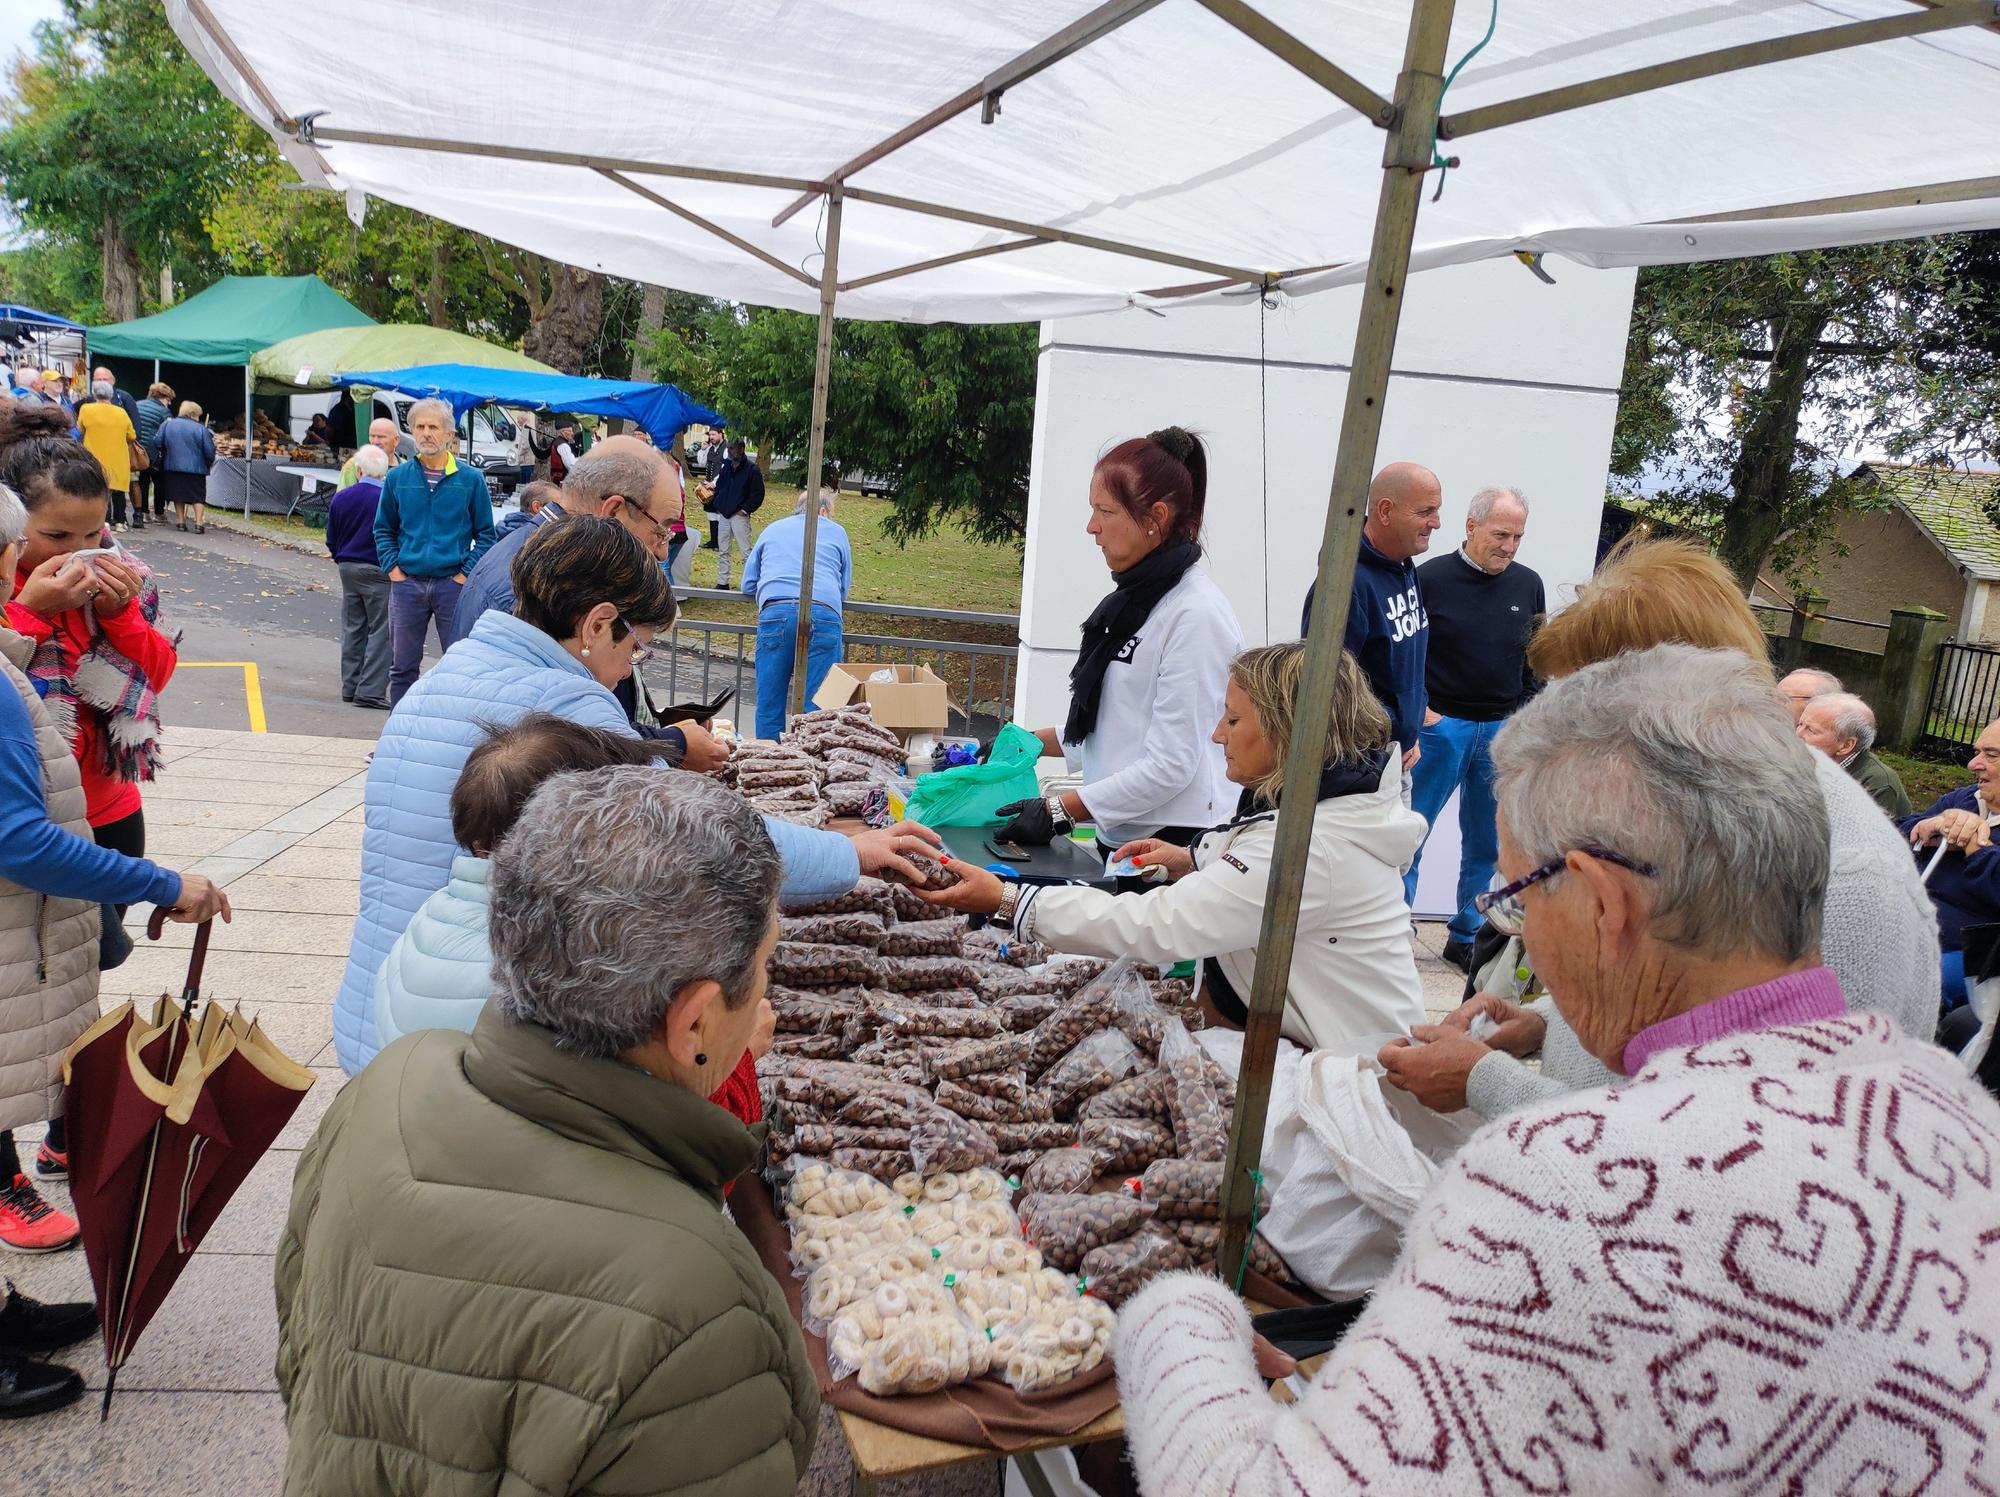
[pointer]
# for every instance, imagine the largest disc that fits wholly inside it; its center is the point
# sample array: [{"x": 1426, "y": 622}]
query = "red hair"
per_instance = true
[{"x": 1168, "y": 467}]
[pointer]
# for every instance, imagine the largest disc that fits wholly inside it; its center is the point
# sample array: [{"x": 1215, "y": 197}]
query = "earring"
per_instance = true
[
  {"x": 700, "y": 1059},
  {"x": 586, "y": 652}
]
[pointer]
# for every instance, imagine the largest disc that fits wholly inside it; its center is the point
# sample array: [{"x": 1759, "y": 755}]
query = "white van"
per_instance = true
[{"x": 485, "y": 437}]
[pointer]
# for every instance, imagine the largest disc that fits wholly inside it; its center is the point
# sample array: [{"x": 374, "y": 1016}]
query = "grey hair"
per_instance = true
[
  {"x": 1827, "y": 679},
  {"x": 100, "y": 389},
  {"x": 370, "y": 461},
  {"x": 825, "y": 503},
  {"x": 1852, "y": 718},
  {"x": 1684, "y": 759},
  {"x": 439, "y": 408},
  {"x": 13, "y": 517},
  {"x": 1483, "y": 501},
  {"x": 615, "y": 890},
  {"x": 629, "y": 475}
]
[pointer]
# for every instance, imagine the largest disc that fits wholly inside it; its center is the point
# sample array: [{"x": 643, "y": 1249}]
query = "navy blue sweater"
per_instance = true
[
  {"x": 1387, "y": 632},
  {"x": 1964, "y": 890}
]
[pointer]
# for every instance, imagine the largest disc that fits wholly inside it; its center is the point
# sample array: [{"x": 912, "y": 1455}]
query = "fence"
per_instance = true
[
  {"x": 1964, "y": 697},
  {"x": 705, "y": 656}
]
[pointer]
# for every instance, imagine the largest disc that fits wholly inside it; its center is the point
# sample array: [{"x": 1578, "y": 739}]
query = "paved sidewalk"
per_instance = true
[{"x": 278, "y": 820}]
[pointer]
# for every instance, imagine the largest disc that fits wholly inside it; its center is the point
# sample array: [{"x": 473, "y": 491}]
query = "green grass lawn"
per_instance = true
[{"x": 1924, "y": 779}]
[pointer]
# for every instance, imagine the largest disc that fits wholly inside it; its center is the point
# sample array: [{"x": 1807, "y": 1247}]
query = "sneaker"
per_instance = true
[
  {"x": 28, "y": 1387},
  {"x": 118, "y": 529},
  {"x": 29, "y": 1224},
  {"x": 28, "y": 1325},
  {"x": 51, "y": 1164},
  {"x": 1459, "y": 954}
]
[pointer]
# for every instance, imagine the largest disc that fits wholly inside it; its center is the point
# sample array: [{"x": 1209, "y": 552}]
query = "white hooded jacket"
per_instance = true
[{"x": 1354, "y": 972}]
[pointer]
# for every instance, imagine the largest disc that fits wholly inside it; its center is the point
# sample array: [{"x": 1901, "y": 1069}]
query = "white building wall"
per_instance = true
[{"x": 1498, "y": 378}]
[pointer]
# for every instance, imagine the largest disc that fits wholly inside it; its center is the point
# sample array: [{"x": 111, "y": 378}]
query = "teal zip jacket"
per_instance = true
[{"x": 433, "y": 533}]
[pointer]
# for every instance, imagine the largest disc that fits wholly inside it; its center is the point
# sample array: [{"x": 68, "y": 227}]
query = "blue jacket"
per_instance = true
[
  {"x": 1964, "y": 890},
  {"x": 350, "y": 522},
  {"x": 185, "y": 446},
  {"x": 491, "y": 583},
  {"x": 502, "y": 671},
  {"x": 1388, "y": 631},
  {"x": 771, "y": 575},
  {"x": 430, "y": 533},
  {"x": 512, "y": 521},
  {"x": 738, "y": 487},
  {"x": 150, "y": 415},
  {"x": 440, "y": 969}
]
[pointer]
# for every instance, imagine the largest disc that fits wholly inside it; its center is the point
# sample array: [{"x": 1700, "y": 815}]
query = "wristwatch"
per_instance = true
[
  {"x": 1063, "y": 822},
  {"x": 1010, "y": 904}
]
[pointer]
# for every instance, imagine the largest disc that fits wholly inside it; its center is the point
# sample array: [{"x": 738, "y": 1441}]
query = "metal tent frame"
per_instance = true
[{"x": 1414, "y": 127}]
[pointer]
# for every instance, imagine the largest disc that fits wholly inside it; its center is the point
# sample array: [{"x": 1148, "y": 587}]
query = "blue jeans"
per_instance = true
[
  {"x": 413, "y": 606},
  {"x": 777, "y": 628},
  {"x": 1951, "y": 980},
  {"x": 1457, "y": 755}
]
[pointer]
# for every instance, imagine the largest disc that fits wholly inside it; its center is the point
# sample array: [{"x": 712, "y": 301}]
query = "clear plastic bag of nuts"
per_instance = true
[
  {"x": 1065, "y": 1227},
  {"x": 941, "y": 1140},
  {"x": 934, "y": 874},
  {"x": 857, "y": 928},
  {"x": 813, "y": 964},
  {"x": 1190, "y": 1189},
  {"x": 1126, "y": 1143},
  {"x": 868, "y": 896},
  {"x": 1119, "y": 1270},
  {"x": 1068, "y": 1171},
  {"x": 1097, "y": 1063},
  {"x": 924, "y": 938},
  {"x": 1201, "y": 1126}
]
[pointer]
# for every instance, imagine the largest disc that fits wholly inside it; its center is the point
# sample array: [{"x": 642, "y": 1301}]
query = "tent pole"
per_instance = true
[
  {"x": 249, "y": 427},
  {"x": 1419, "y": 88},
  {"x": 829, "y": 285},
  {"x": 156, "y": 371}
]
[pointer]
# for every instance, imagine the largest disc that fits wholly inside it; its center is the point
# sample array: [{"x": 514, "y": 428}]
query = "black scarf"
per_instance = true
[{"x": 1112, "y": 623}]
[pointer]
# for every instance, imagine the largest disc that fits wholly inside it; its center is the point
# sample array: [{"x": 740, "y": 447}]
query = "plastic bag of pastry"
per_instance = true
[
  {"x": 861, "y": 928},
  {"x": 820, "y": 1190},
  {"x": 1190, "y": 1189},
  {"x": 1063, "y": 1172},
  {"x": 1142, "y": 1096},
  {"x": 1126, "y": 1144},
  {"x": 868, "y": 896},
  {"x": 835, "y": 1285},
  {"x": 941, "y": 1140},
  {"x": 1119, "y": 1270},
  {"x": 923, "y": 1354},
  {"x": 1203, "y": 1240},
  {"x": 1053, "y": 1342},
  {"x": 1097, "y": 1064},
  {"x": 1064, "y": 1227},
  {"x": 1201, "y": 1127},
  {"x": 974, "y": 1185},
  {"x": 923, "y": 938}
]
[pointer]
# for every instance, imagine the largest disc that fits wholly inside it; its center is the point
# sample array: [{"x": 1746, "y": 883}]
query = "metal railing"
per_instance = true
[
  {"x": 698, "y": 658},
  {"x": 1964, "y": 697}
]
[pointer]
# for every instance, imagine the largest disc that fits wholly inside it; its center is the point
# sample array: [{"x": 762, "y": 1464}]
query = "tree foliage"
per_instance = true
[
  {"x": 944, "y": 414},
  {"x": 1748, "y": 383}
]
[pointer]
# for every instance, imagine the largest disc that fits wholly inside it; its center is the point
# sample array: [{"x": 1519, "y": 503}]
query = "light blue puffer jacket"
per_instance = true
[
  {"x": 500, "y": 672},
  {"x": 441, "y": 967}
]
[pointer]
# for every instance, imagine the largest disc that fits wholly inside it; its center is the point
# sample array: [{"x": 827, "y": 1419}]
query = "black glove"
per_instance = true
[{"x": 1036, "y": 822}]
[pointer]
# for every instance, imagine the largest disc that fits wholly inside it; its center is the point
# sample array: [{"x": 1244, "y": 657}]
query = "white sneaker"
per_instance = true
[{"x": 117, "y": 529}]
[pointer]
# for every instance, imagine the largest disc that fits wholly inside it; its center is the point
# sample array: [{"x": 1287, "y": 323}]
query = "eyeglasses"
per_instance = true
[
  {"x": 658, "y": 527},
  {"x": 1503, "y": 906},
  {"x": 640, "y": 649}
]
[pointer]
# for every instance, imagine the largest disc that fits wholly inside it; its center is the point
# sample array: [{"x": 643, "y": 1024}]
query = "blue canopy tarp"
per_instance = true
[
  {"x": 16, "y": 320},
  {"x": 661, "y": 411}
]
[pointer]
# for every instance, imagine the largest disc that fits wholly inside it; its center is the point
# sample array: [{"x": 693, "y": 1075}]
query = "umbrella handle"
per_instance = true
[{"x": 156, "y": 923}]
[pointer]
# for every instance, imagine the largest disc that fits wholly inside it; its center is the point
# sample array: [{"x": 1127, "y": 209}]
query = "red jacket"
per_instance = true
[
  {"x": 739, "y": 1097},
  {"x": 106, "y": 797}
]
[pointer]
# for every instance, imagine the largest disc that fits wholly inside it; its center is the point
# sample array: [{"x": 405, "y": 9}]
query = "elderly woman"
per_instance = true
[
  {"x": 1881, "y": 939},
  {"x": 506, "y": 1266},
  {"x": 187, "y": 454},
  {"x": 1353, "y": 971},
  {"x": 588, "y": 598},
  {"x": 1749, "y": 1266}
]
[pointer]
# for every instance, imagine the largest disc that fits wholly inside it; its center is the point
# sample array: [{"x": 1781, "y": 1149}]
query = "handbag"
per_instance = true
[{"x": 140, "y": 461}]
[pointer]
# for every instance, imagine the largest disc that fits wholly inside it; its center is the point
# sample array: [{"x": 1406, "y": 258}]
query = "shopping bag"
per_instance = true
[{"x": 970, "y": 794}]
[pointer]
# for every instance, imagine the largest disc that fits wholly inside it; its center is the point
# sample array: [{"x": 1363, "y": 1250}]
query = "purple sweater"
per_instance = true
[{"x": 350, "y": 522}]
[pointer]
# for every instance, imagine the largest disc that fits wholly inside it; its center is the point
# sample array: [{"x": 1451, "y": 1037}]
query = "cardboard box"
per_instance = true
[{"x": 913, "y": 702}]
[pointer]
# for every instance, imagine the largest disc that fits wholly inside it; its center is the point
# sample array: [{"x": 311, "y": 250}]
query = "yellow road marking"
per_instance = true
[{"x": 253, "y": 688}]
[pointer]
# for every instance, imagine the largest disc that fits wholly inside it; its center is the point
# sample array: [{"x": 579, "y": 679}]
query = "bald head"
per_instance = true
[
  {"x": 383, "y": 433},
  {"x": 1802, "y": 685},
  {"x": 1404, "y": 501}
]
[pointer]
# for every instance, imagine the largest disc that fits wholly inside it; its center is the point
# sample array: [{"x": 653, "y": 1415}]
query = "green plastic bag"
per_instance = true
[{"x": 970, "y": 794}]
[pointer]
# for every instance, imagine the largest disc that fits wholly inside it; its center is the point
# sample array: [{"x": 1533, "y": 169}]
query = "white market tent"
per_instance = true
[{"x": 1005, "y": 160}]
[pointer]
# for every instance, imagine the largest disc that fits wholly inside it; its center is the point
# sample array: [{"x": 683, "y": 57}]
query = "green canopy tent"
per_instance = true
[{"x": 228, "y": 324}]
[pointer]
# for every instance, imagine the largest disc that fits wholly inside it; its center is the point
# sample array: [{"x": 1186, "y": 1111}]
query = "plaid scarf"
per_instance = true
[{"x": 102, "y": 680}]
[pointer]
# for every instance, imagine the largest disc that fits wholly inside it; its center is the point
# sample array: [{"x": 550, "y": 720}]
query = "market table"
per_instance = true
[{"x": 881, "y": 1453}]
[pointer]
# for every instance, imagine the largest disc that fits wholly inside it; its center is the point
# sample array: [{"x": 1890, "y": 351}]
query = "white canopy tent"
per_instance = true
[{"x": 925, "y": 160}]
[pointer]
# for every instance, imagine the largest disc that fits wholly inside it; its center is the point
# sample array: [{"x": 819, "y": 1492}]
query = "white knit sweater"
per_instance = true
[{"x": 1765, "y": 1264}]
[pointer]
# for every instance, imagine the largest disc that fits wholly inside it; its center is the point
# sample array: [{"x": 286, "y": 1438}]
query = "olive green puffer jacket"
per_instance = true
[{"x": 507, "y": 1271}]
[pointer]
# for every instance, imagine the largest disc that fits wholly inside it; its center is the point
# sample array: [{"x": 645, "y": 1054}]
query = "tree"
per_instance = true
[
  {"x": 113, "y": 138},
  {"x": 565, "y": 304},
  {"x": 1747, "y": 382},
  {"x": 943, "y": 414}
]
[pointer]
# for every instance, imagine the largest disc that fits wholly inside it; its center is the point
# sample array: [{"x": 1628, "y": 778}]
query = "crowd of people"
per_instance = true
[
  {"x": 1723, "y": 1227},
  {"x": 153, "y": 454}
]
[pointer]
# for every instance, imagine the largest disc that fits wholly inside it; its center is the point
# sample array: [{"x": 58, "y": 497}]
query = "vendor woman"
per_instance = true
[
  {"x": 1148, "y": 681},
  {"x": 1354, "y": 974}
]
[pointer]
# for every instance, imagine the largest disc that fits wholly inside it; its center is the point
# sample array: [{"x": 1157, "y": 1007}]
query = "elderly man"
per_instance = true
[
  {"x": 535, "y": 1208},
  {"x": 1805, "y": 683},
  {"x": 385, "y": 434},
  {"x": 1387, "y": 628},
  {"x": 433, "y": 524},
  {"x": 1953, "y": 841},
  {"x": 1482, "y": 606},
  {"x": 772, "y": 575},
  {"x": 1753, "y": 1264},
  {"x": 1842, "y": 726}
]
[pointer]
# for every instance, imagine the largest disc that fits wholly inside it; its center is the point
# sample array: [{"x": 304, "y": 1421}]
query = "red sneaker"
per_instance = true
[
  {"x": 29, "y": 1224},
  {"x": 51, "y": 1164}
]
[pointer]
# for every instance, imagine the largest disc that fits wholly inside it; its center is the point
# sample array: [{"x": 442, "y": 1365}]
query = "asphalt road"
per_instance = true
[{"x": 239, "y": 599}]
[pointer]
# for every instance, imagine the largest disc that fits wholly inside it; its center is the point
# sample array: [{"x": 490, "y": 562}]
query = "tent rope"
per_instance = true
[{"x": 1441, "y": 163}]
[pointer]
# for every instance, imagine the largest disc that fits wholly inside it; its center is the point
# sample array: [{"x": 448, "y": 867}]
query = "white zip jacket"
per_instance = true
[
  {"x": 1354, "y": 973},
  {"x": 1149, "y": 762}
]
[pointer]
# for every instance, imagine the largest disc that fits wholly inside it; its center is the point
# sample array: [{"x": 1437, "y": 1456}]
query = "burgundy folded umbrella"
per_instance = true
[{"x": 167, "y": 1114}]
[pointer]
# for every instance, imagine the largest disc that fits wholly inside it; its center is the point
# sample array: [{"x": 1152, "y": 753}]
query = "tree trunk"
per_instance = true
[
  {"x": 121, "y": 273},
  {"x": 1762, "y": 475},
  {"x": 652, "y": 317},
  {"x": 567, "y": 325}
]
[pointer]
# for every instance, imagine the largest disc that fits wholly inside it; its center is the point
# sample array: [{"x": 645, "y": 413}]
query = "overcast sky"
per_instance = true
[{"x": 18, "y": 19}]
